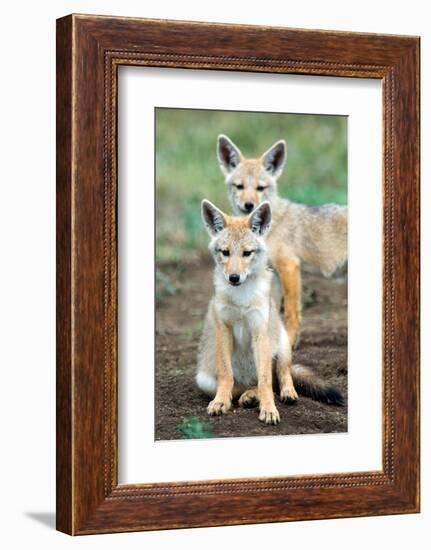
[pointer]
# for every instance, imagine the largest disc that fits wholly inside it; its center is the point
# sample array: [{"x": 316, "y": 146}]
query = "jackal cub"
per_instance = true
[
  {"x": 244, "y": 338},
  {"x": 299, "y": 233}
]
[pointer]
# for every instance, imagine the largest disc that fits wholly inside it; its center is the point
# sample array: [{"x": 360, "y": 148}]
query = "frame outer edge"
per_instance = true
[
  {"x": 407, "y": 272},
  {"x": 64, "y": 300}
]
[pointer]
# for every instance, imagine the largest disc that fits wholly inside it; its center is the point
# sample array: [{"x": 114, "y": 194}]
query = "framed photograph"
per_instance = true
[{"x": 237, "y": 274}]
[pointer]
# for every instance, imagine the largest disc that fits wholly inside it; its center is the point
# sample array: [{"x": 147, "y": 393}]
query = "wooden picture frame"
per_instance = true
[{"x": 89, "y": 51}]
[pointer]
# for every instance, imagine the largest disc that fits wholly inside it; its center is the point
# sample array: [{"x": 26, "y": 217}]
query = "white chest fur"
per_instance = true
[
  {"x": 245, "y": 306},
  {"x": 246, "y": 309}
]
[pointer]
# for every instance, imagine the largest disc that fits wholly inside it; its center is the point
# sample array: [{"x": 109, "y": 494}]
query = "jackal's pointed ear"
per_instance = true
[
  {"x": 273, "y": 160},
  {"x": 260, "y": 219},
  {"x": 213, "y": 218},
  {"x": 228, "y": 154}
]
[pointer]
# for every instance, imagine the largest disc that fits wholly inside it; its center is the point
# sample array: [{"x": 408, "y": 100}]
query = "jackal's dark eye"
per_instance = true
[
  {"x": 247, "y": 253},
  {"x": 261, "y": 188},
  {"x": 240, "y": 186},
  {"x": 225, "y": 252}
]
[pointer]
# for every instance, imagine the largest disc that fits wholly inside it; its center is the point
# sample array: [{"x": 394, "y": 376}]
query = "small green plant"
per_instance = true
[{"x": 192, "y": 428}]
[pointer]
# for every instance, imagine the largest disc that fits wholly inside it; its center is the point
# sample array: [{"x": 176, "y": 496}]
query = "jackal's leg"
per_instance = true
[
  {"x": 287, "y": 389},
  {"x": 289, "y": 270},
  {"x": 223, "y": 398},
  {"x": 263, "y": 357}
]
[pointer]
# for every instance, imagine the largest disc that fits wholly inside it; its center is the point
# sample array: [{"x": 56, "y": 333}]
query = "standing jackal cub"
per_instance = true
[
  {"x": 299, "y": 233},
  {"x": 244, "y": 338}
]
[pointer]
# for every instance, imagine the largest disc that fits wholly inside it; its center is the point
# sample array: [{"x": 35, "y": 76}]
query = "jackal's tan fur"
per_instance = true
[{"x": 299, "y": 233}]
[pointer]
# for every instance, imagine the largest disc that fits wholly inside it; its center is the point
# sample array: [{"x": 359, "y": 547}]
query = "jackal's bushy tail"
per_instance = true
[{"x": 308, "y": 383}]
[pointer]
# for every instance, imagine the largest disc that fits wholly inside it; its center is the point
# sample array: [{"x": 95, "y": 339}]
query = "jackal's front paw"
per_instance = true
[
  {"x": 218, "y": 406},
  {"x": 269, "y": 415},
  {"x": 288, "y": 395}
]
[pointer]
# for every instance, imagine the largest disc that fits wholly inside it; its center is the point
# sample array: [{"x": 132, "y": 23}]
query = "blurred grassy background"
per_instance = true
[{"x": 187, "y": 169}]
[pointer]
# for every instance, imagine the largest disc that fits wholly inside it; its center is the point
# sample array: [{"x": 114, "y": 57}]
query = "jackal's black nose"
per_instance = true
[
  {"x": 234, "y": 278},
  {"x": 249, "y": 206}
]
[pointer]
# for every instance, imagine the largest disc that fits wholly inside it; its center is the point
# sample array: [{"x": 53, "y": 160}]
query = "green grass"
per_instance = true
[
  {"x": 187, "y": 170},
  {"x": 192, "y": 428}
]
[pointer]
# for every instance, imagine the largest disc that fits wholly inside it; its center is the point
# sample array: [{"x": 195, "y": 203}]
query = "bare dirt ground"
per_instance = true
[{"x": 180, "y": 311}]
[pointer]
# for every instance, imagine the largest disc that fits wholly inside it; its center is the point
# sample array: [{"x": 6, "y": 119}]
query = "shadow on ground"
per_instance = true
[{"x": 45, "y": 518}]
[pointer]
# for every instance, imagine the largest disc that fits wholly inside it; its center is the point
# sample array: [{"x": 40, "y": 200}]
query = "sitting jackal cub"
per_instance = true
[{"x": 244, "y": 338}]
